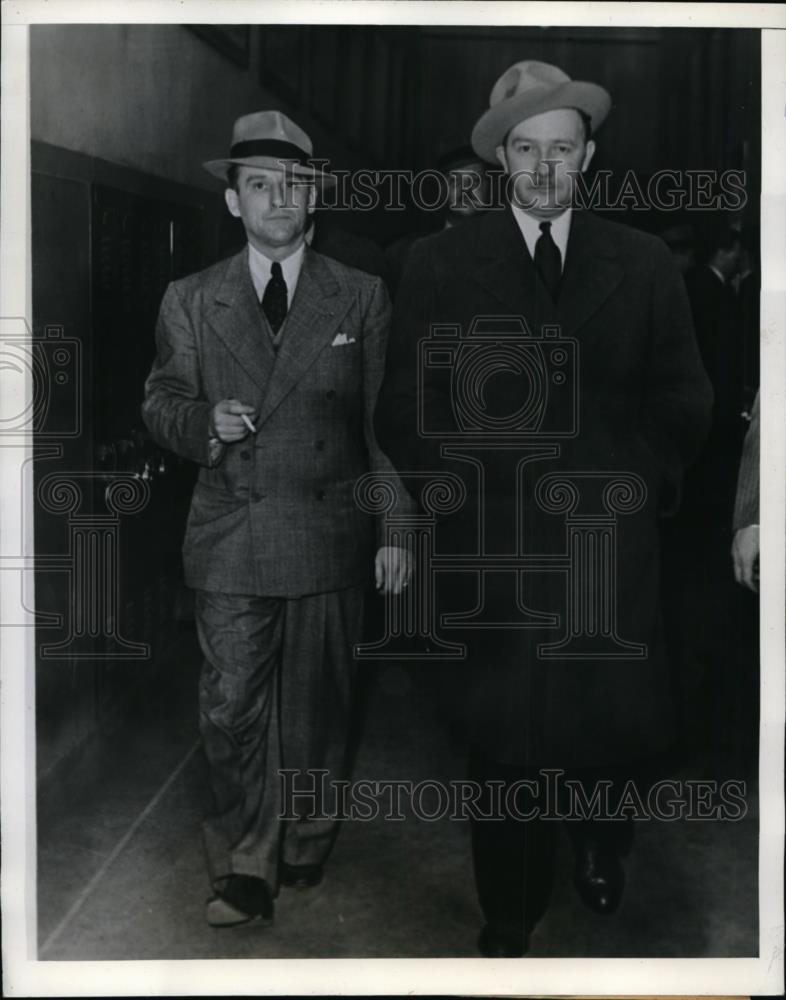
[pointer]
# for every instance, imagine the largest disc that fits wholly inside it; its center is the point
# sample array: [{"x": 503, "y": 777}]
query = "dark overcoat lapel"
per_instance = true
[
  {"x": 590, "y": 274},
  {"x": 505, "y": 268}
]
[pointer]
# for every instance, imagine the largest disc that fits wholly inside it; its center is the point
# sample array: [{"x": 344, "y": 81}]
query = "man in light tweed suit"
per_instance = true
[{"x": 266, "y": 375}]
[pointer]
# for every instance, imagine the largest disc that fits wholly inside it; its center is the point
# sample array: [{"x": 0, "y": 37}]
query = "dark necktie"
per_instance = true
[
  {"x": 548, "y": 261},
  {"x": 274, "y": 301}
]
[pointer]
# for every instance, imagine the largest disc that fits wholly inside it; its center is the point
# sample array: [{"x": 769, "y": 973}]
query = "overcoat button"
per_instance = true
[
  {"x": 321, "y": 495},
  {"x": 330, "y": 394},
  {"x": 245, "y": 455},
  {"x": 319, "y": 445}
]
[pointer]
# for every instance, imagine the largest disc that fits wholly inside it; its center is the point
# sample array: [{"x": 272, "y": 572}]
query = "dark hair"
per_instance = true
[{"x": 233, "y": 171}]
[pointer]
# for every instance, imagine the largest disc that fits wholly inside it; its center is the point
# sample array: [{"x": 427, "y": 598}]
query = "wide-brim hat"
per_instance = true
[
  {"x": 271, "y": 140},
  {"x": 529, "y": 88}
]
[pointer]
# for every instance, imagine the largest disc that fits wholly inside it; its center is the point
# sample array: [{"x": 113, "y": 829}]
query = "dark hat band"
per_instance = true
[{"x": 268, "y": 147}]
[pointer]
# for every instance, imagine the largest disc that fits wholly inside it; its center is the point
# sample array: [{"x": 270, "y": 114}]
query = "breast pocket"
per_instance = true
[{"x": 340, "y": 366}]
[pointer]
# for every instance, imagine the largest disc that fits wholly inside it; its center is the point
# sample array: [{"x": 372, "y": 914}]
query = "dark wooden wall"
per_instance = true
[{"x": 106, "y": 241}]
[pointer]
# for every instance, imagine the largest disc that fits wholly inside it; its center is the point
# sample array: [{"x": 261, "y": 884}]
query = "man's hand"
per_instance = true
[
  {"x": 745, "y": 555},
  {"x": 226, "y": 420},
  {"x": 393, "y": 569}
]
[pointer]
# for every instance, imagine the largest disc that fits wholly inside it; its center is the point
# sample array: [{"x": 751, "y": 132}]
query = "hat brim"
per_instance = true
[
  {"x": 219, "y": 168},
  {"x": 492, "y": 127}
]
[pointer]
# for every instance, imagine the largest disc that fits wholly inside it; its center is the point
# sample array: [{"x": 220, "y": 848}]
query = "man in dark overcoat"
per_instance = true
[
  {"x": 266, "y": 376},
  {"x": 547, "y": 359}
]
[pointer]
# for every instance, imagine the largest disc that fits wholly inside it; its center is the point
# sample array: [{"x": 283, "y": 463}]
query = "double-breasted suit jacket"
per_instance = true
[
  {"x": 641, "y": 405},
  {"x": 273, "y": 515}
]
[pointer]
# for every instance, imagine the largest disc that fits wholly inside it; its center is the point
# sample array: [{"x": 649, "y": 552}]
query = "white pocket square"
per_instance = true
[{"x": 340, "y": 339}]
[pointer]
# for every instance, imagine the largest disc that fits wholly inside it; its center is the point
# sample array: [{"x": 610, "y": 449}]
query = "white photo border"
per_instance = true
[{"x": 23, "y": 975}]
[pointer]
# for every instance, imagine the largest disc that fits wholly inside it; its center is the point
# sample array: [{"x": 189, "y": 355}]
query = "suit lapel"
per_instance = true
[
  {"x": 317, "y": 308},
  {"x": 506, "y": 270},
  {"x": 591, "y": 272},
  {"x": 234, "y": 315}
]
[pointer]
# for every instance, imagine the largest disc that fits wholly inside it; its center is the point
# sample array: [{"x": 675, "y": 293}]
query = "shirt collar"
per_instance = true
[
  {"x": 530, "y": 229},
  {"x": 259, "y": 265}
]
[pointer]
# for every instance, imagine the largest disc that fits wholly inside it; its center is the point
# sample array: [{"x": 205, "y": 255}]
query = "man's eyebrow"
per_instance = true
[
  {"x": 527, "y": 138},
  {"x": 257, "y": 177}
]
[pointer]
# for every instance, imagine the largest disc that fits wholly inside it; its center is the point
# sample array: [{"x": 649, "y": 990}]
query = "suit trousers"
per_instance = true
[
  {"x": 276, "y": 692},
  {"x": 513, "y": 859}
]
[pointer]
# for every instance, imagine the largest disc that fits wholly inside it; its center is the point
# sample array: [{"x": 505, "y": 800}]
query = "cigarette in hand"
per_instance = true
[{"x": 248, "y": 423}]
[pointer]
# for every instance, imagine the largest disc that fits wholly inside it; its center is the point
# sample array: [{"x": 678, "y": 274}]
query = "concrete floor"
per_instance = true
[{"x": 121, "y": 872}]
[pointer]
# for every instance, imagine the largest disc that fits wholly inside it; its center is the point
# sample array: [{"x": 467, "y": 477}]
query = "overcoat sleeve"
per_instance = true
[
  {"x": 411, "y": 388},
  {"x": 676, "y": 404},
  {"x": 174, "y": 409},
  {"x": 396, "y": 418},
  {"x": 376, "y": 326}
]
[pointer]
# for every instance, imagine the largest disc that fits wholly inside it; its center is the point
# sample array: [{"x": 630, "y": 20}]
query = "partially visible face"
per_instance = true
[
  {"x": 543, "y": 154},
  {"x": 274, "y": 207},
  {"x": 467, "y": 189},
  {"x": 731, "y": 259}
]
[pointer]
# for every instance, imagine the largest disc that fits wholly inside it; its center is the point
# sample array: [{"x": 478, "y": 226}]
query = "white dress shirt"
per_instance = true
[
  {"x": 530, "y": 230},
  {"x": 260, "y": 265}
]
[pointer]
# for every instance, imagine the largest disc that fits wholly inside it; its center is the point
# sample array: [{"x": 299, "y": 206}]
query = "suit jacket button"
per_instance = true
[
  {"x": 330, "y": 394},
  {"x": 321, "y": 495},
  {"x": 245, "y": 454},
  {"x": 319, "y": 445},
  {"x": 256, "y": 496}
]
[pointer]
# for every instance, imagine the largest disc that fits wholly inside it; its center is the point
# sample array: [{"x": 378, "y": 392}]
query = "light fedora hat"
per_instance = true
[
  {"x": 270, "y": 139},
  {"x": 529, "y": 88}
]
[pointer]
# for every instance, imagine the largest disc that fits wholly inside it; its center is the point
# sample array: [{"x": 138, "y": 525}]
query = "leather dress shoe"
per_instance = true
[
  {"x": 301, "y": 876},
  {"x": 494, "y": 942},
  {"x": 599, "y": 878},
  {"x": 240, "y": 900}
]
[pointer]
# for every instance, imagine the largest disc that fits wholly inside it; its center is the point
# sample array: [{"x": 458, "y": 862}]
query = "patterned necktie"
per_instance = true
[
  {"x": 274, "y": 301},
  {"x": 548, "y": 261}
]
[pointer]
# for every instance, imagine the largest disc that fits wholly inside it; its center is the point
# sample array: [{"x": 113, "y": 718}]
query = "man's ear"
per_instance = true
[
  {"x": 500, "y": 153},
  {"x": 589, "y": 152},
  {"x": 230, "y": 197}
]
